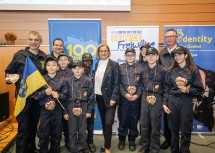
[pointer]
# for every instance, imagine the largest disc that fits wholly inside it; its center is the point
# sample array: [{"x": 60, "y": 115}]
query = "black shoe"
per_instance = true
[
  {"x": 36, "y": 150},
  {"x": 165, "y": 145},
  {"x": 143, "y": 150},
  {"x": 92, "y": 148},
  {"x": 67, "y": 147},
  {"x": 132, "y": 146},
  {"x": 121, "y": 145},
  {"x": 86, "y": 150},
  {"x": 102, "y": 150},
  {"x": 140, "y": 141}
]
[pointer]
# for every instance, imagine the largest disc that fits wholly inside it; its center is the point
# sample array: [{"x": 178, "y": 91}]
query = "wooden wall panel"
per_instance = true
[{"x": 143, "y": 13}]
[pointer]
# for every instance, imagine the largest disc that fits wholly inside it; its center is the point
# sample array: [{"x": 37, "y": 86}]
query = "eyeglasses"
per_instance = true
[
  {"x": 129, "y": 55},
  {"x": 169, "y": 37},
  {"x": 103, "y": 51},
  {"x": 31, "y": 39}
]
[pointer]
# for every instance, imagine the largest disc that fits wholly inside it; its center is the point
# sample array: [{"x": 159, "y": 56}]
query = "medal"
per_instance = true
[
  {"x": 181, "y": 81},
  {"x": 131, "y": 90},
  {"x": 157, "y": 87},
  {"x": 50, "y": 105},
  {"x": 12, "y": 78},
  {"x": 77, "y": 111},
  {"x": 85, "y": 94},
  {"x": 151, "y": 99}
]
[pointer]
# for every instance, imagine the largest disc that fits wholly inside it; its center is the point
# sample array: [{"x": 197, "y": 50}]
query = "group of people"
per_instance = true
[{"x": 139, "y": 91}]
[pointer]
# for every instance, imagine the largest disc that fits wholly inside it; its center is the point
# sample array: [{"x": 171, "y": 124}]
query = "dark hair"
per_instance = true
[
  {"x": 172, "y": 30},
  {"x": 57, "y": 39},
  {"x": 189, "y": 64}
]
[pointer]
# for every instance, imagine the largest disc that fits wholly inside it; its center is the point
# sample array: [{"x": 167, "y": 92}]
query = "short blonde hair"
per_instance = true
[
  {"x": 36, "y": 33},
  {"x": 103, "y": 45}
]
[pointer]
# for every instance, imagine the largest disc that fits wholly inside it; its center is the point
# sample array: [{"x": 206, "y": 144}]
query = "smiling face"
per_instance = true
[
  {"x": 77, "y": 70},
  {"x": 63, "y": 62},
  {"x": 52, "y": 67},
  {"x": 57, "y": 46},
  {"x": 171, "y": 38},
  {"x": 152, "y": 58},
  {"x": 180, "y": 58},
  {"x": 103, "y": 52},
  {"x": 130, "y": 57},
  {"x": 34, "y": 41},
  {"x": 87, "y": 63}
]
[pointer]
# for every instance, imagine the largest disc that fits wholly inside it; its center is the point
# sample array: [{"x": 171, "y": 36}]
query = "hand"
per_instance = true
[
  {"x": 134, "y": 97},
  {"x": 55, "y": 94},
  {"x": 112, "y": 102},
  {"x": 166, "y": 109},
  {"x": 129, "y": 97},
  {"x": 88, "y": 115},
  {"x": 48, "y": 91},
  {"x": 66, "y": 117},
  {"x": 184, "y": 89}
]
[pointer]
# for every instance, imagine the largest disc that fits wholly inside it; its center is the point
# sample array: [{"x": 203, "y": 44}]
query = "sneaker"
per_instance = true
[{"x": 121, "y": 145}]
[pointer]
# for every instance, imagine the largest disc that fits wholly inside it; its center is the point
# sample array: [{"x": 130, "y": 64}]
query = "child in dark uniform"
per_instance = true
[
  {"x": 64, "y": 72},
  {"x": 51, "y": 112},
  {"x": 182, "y": 83},
  {"x": 130, "y": 93},
  {"x": 87, "y": 60},
  {"x": 80, "y": 105},
  {"x": 152, "y": 77}
]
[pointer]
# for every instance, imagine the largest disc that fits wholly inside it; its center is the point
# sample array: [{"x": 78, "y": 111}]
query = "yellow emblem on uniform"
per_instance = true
[
  {"x": 42, "y": 64},
  {"x": 137, "y": 78},
  {"x": 157, "y": 87},
  {"x": 85, "y": 94}
]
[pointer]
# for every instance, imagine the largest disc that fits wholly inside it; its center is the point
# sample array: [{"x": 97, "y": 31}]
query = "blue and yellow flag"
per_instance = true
[{"x": 32, "y": 80}]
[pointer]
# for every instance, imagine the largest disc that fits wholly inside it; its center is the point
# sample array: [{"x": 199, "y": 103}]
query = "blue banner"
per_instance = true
[
  {"x": 201, "y": 42},
  {"x": 79, "y": 36}
]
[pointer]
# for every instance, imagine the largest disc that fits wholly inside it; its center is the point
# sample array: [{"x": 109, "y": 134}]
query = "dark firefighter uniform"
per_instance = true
[
  {"x": 29, "y": 117},
  {"x": 180, "y": 104},
  {"x": 152, "y": 85},
  {"x": 128, "y": 111},
  {"x": 51, "y": 120},
  {"x": 166, "y": 60},
  {"x": 65, "y": 74},
  {"x": 80, "y": 96},
  {"x": 90, "y": 121}
]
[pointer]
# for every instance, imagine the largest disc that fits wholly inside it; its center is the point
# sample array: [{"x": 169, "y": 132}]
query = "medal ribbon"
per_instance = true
[
  {"x": 79, "y": 100},
  {"x": 126, "y": 69},
  {"x": 147, "y": 78}
]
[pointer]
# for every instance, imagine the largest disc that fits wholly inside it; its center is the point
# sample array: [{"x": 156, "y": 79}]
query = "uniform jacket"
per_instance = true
[
  {"x": 134, "y": 78},
  {"x": 17, "y": 64},
  {"x": 193, "y": 80},
  {"x": 151, "y": 80},
  {"x": 58, "y": 84},
  {"x": 87, "y": 94}
]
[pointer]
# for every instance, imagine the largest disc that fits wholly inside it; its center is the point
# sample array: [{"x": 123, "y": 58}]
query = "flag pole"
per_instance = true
[{"x": 58, "y": 100}]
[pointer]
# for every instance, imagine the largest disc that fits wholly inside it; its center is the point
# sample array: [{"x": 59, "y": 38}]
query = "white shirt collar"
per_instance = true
[{"x": 170, "y": 50}]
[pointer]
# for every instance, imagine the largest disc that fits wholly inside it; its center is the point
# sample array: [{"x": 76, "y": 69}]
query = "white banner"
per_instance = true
[{"x": 119, "y": 38}]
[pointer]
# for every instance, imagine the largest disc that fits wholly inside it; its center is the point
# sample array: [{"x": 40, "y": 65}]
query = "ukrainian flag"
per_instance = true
[{"x": 31, "y": 81}]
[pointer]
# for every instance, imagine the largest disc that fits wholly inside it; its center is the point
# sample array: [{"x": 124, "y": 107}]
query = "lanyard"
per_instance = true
[
  {"x": 126, "y": 69},
  {"x": 79, "y": 100},
  {"x": 147, "y": 78}
]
